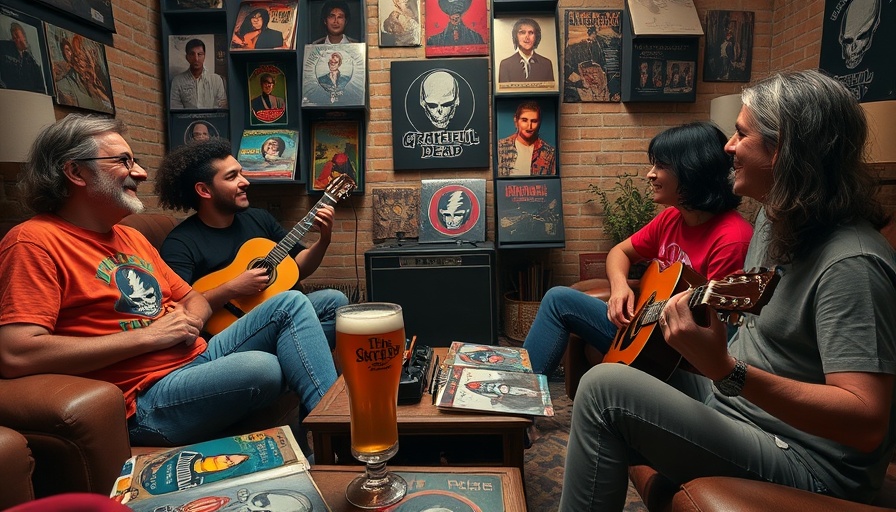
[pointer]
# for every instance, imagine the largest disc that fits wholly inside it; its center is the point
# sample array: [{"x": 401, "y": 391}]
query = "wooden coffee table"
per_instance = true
[
  {"x": 332, "y": 481},
  {"x": 475, "y": 438}
]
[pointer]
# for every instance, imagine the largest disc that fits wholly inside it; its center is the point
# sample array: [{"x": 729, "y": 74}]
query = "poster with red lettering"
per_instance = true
[{"x": 529, "y": 212}]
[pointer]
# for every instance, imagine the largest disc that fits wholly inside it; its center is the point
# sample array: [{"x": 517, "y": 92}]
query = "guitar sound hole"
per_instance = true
[{"x": 270, "y": 269}]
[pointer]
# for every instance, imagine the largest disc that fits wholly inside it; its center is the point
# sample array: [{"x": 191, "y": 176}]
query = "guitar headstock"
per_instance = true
[
  {"x": 340, "y": 187},
  {"x": 745, "y": 292}
]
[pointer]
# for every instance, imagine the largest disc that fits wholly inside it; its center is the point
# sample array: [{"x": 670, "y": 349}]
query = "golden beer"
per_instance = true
[{"x": 370, "y": 345}]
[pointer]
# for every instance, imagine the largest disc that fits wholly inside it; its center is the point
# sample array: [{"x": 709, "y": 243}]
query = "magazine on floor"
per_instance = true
[{"x": 229, "y": 471}]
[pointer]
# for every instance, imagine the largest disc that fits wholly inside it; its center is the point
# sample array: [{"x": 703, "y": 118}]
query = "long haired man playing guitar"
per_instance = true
[
  {"x": 802, "y": 396},
  {"x": 205, "y": 177},
  {"x": 701, "y": 229}
]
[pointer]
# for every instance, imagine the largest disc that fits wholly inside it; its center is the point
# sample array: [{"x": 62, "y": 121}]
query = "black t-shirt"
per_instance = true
[{"x": 194, "y": 250}]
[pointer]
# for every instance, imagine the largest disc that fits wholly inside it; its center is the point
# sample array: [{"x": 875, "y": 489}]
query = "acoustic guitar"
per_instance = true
[
  {"x": 641, "y": 344},
  {"x": 283, "y": 272}
]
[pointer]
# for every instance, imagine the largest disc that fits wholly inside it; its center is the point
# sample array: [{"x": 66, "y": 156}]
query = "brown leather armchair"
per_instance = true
[{"x": 69, "y": 434}]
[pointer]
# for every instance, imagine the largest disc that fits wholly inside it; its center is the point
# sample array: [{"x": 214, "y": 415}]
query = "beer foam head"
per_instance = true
[{"x": 367, "y": 319}]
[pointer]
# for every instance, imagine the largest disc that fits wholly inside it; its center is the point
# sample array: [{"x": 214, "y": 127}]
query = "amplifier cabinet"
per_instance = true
[{"x": 446, "y": 290}]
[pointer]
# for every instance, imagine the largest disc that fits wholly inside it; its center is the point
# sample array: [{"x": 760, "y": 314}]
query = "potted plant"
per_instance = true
[{"x": 627, "y": 209}]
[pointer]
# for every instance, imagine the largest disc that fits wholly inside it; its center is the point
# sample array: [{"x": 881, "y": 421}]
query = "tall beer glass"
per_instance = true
[{"x": 370, "y": 346}]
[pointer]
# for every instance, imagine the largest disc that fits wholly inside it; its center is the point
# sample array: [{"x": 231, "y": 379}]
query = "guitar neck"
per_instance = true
[{"x": 281, "y": 250}]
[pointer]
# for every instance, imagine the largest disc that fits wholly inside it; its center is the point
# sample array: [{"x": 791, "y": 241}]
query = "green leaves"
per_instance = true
[{"x": 626, "y": 208}]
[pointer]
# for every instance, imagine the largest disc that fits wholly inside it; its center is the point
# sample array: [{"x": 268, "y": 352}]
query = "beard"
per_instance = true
[
  {"x": 108, "y": 190},
  {"x": 228, "y": 206}
]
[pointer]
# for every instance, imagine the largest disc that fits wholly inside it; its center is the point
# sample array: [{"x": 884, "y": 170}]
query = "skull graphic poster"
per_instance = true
[
  {"x": 452, "y": 210},
  {"x": 728, "y": 54},
  {"x": 857, "y": 41},
  {"x": 440, "y": 113}
]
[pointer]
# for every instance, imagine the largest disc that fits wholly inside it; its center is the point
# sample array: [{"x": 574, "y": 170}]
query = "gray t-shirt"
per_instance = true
[{"x": 831, "y": 312}]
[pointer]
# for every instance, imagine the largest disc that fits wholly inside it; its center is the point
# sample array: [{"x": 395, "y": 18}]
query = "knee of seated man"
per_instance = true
[
  {"x": 258, "y": 368},
  {"x": 609, "y": 376}
]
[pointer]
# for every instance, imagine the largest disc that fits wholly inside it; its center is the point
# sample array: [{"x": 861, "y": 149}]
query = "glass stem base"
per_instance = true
[{"x": 377, "y": 488}]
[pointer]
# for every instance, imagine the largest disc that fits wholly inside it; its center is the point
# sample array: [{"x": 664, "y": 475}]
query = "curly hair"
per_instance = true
[
  {"x": 186, "y": 166},
  {"x": 695, "y": 154},
  {"x": 43, "y": 187},
  {"x": 817, "y": 129}
]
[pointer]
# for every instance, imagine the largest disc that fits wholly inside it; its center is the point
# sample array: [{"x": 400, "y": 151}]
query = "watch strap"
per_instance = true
[{"x": 733, "y": 383}]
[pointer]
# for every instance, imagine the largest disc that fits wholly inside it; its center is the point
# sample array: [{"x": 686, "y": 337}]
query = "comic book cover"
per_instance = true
[
  {"x": 493, "y": 357},
  {"x": 336, "y": 147},
  {"x": 269, "y": 25},
  {"x": 269, "y": 153},
  {"x": 451, "y": 491},
  {"x": 500, "y": 391},
  {"x": 592, "y": 55},
  {"x": 207, "y": 466}
]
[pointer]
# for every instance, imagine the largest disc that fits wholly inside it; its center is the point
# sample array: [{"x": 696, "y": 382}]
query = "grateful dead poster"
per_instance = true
[
  {"x": 335, "y": 75},
  {"x": 857, "y": 41},
  {"x": 440, "y": 114},
  {"x": 592, "y": 65},
  {"x": 452, "y": 210},
  {"x": 530, "y": 212}
]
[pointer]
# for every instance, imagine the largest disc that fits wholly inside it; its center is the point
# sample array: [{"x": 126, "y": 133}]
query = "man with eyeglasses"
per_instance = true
[
  {"x": 266, "y": 100},
  {"x": 334, "y": 16},
  {"x": 81, "y": 294}
]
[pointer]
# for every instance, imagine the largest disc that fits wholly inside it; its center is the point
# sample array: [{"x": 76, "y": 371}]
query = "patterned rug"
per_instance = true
[{"x": 544, "y": 461}]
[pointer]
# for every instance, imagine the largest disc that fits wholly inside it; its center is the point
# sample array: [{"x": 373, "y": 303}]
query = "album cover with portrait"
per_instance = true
[
  {"x": 269, "y": 25},
  {"x": 456, "y": 28},
  {"x": 592, "y": 55},
  {"x": 24, "y": 64},
  {"x": 267, "y": 95},
  {"x": 269, "y": 154},
  {"x": 184, "y": 127},
  {"x": 336, "y": 147},
  {"x": 525, "y": 54},
  {"x": 80, "y": 70},
  {"x": 189, "y": 57},
  {"x": 528, "y": 126},
  {"x": 452, "y": 210},
  {"x": 529, "y": 212},
  {"x": 335, "y": 22},
  {"x": 728, "y": 54},
  {"x": 440, "y": 113},
  {"x": 335, "y": 75}
]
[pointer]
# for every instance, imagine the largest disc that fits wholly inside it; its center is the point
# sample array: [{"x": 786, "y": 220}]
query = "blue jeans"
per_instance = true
[
  {"x": 279, "y": 345},
  {"x": 325, "y": 303},
  {"x": 564, "y": 311},
  {"x": 622, "y": 416}
]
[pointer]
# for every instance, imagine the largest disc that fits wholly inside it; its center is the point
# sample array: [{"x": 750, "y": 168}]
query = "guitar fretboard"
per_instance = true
[{"x": 281, "y": 250}]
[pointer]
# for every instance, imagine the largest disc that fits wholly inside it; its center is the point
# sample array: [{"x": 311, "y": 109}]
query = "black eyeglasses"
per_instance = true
[{"x": 126, "y": 161}]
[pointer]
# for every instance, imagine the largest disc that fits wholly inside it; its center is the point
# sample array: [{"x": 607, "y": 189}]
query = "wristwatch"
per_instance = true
[{"x": 733, "y": 383}]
